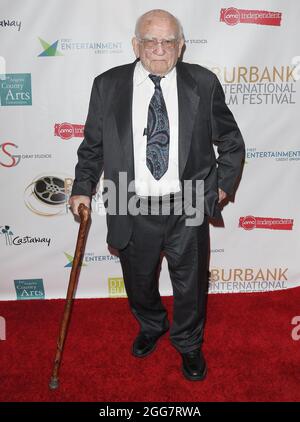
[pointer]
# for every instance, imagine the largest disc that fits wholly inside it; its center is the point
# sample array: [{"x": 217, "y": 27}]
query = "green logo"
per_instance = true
[
  {"x": 49, "y": 49},
  {"x": 30, "y": 289},
  {"x": 70, "y": 258},
  {"x": 15, "y": 89}
]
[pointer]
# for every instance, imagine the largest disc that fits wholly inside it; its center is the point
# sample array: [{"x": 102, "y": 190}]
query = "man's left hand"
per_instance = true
[{"x": 222, "y": 195}]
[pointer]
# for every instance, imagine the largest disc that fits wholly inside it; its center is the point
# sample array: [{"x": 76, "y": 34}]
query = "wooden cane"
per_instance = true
[{"x": 84, "y": 213}]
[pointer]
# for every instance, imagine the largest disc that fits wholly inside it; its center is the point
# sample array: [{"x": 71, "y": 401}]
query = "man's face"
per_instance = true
[{"x": 156, "y": 58}]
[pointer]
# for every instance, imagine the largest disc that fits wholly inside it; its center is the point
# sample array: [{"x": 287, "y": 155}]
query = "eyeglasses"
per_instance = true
[{"x": 151, "y": 44}]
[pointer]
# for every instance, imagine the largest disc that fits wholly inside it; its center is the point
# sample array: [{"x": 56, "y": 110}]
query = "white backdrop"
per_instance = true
[{"x": 50, "y": 53}]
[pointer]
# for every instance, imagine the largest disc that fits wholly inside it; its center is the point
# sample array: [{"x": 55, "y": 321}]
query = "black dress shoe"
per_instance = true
[
  {"x": 193, "y": 365},
  {"x": 145, "y": 344}
]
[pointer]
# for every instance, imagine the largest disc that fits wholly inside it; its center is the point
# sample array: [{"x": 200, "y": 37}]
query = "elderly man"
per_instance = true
[{"x": 155, "y": 120}]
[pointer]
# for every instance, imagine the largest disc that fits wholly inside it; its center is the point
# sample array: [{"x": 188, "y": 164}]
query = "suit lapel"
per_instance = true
[
  {"x": 188, "y": 101},
  {"x": 123, "y": 115}
]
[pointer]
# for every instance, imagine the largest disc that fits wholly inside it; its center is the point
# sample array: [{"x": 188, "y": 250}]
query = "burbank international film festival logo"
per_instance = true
[
  {"x": 15, "y": 89},
  {"x": 30, "y": 289},
  {"x": 259, "y": 85},
  {"x": 247, "y": 280}
]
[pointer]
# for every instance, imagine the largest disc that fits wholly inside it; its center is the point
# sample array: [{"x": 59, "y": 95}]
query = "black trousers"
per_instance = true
[{"x": 186, "y": 250}]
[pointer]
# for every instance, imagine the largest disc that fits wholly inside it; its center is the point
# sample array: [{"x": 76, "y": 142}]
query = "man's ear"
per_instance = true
[
  {"x": 135, "y": 46},
  {"x": 181, "y": 44}
]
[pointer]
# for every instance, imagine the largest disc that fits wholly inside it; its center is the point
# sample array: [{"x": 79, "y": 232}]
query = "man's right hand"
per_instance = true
[{"x": 76, "y": 200}]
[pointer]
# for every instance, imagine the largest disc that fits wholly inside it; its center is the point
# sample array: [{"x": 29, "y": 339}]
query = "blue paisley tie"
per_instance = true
[{"x": 158, "y": 132}]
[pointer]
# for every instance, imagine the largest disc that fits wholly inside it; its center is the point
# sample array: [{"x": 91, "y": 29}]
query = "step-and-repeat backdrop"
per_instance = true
[{"x": 50, "y": 53}]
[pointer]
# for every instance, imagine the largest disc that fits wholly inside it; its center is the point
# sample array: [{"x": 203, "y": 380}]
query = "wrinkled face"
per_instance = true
[{"x": 158, "y": 46}]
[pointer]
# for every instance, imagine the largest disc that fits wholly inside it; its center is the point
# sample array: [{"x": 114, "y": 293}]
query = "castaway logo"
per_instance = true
[
  {"x": 90, "y": 258},
  {"x": 47, "y": 195},
  {"x": 15, "y": 89},
  {"x": 11, "y": 23},
  {"x": 8, "y": 159},
  {"x": 12, "y": 240},
  {"x": 116, "y": 287},
  {"x": 247, "y": 280},
  {"x": 68, "y": 130},
  {"x": 30, "y": 289},
  {"x": 279, "y": 156},
  {"x": 232, "y": 16},
  {"x": 255, "y": 85},
  {"x": 68, "y": 46},
  {"x": 250, "y": 222}
]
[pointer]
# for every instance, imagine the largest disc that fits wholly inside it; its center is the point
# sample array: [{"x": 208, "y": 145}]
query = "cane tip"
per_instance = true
[{"x": 53, "y": 384}]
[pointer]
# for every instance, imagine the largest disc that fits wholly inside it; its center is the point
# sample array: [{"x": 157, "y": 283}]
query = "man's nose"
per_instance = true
[{"x": 159, "y": 51}]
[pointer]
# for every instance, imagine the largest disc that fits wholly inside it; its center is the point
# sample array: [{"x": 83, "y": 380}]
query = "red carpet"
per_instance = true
[{"x": 248, "y": 346}]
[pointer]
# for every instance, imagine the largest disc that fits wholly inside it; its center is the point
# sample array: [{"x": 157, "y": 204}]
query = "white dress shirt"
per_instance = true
[{"x": 143, "y": 90}]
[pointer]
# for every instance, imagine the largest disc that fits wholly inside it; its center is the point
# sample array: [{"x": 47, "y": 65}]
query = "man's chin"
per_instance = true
[{"x": 159, "y": 66}]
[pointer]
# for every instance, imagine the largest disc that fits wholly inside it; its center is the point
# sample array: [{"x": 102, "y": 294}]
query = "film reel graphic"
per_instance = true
[
  {"x": 51, "y": 190},
  {"x": 48, "y": 195}
]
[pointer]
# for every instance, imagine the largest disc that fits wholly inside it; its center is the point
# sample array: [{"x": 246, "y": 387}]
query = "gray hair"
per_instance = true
[{"x": 158, "y": 12}]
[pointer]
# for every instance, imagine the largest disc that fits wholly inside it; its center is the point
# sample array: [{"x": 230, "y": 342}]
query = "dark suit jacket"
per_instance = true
[{"x": 204, "y": 119}]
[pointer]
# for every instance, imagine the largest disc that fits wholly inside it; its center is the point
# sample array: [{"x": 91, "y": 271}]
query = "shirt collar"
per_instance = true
[{"x": 141, "y": 74}]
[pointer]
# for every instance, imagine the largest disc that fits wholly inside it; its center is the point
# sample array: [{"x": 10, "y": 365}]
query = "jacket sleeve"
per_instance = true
[
  {"x": 90, "y": 152},
  {"x": 228, "y": 138}
]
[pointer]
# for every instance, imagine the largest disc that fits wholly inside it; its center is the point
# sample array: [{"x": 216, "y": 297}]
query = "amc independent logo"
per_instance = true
[
  {"x": 68, "y": 130},
  {"x": 232, "y": 16},
  {"x": 250, "y": 222}
]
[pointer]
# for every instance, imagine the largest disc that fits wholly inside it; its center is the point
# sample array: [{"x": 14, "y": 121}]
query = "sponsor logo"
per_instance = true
[
  {"x": 13, "y": 159},
  {"x": 68, "y": 46},
  {"x": 30, "y": 289},
  {"x": 116, "y": 287},
  {"x": 232, "y": 16},
  {"x": 12, "y": 240},
  {"x": 10, "y": 23},
  {"x": 47, "y": 195},
  {"x": 70, "y": 259},
  {"x": 284, "y": 155},
  {"x": 90, "y": 258},
  {"x": 196, "y": 41},
  {"x": 15, "y": 89},
  {"x": 255, "y": 85},
  {"x": 7, "y": 159},
  {"x": 68, "y": 130},
  {"x": 250, "y": 222},
  {"x": 49, "y": 49},
  {"x": 247, "y": 280}
]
